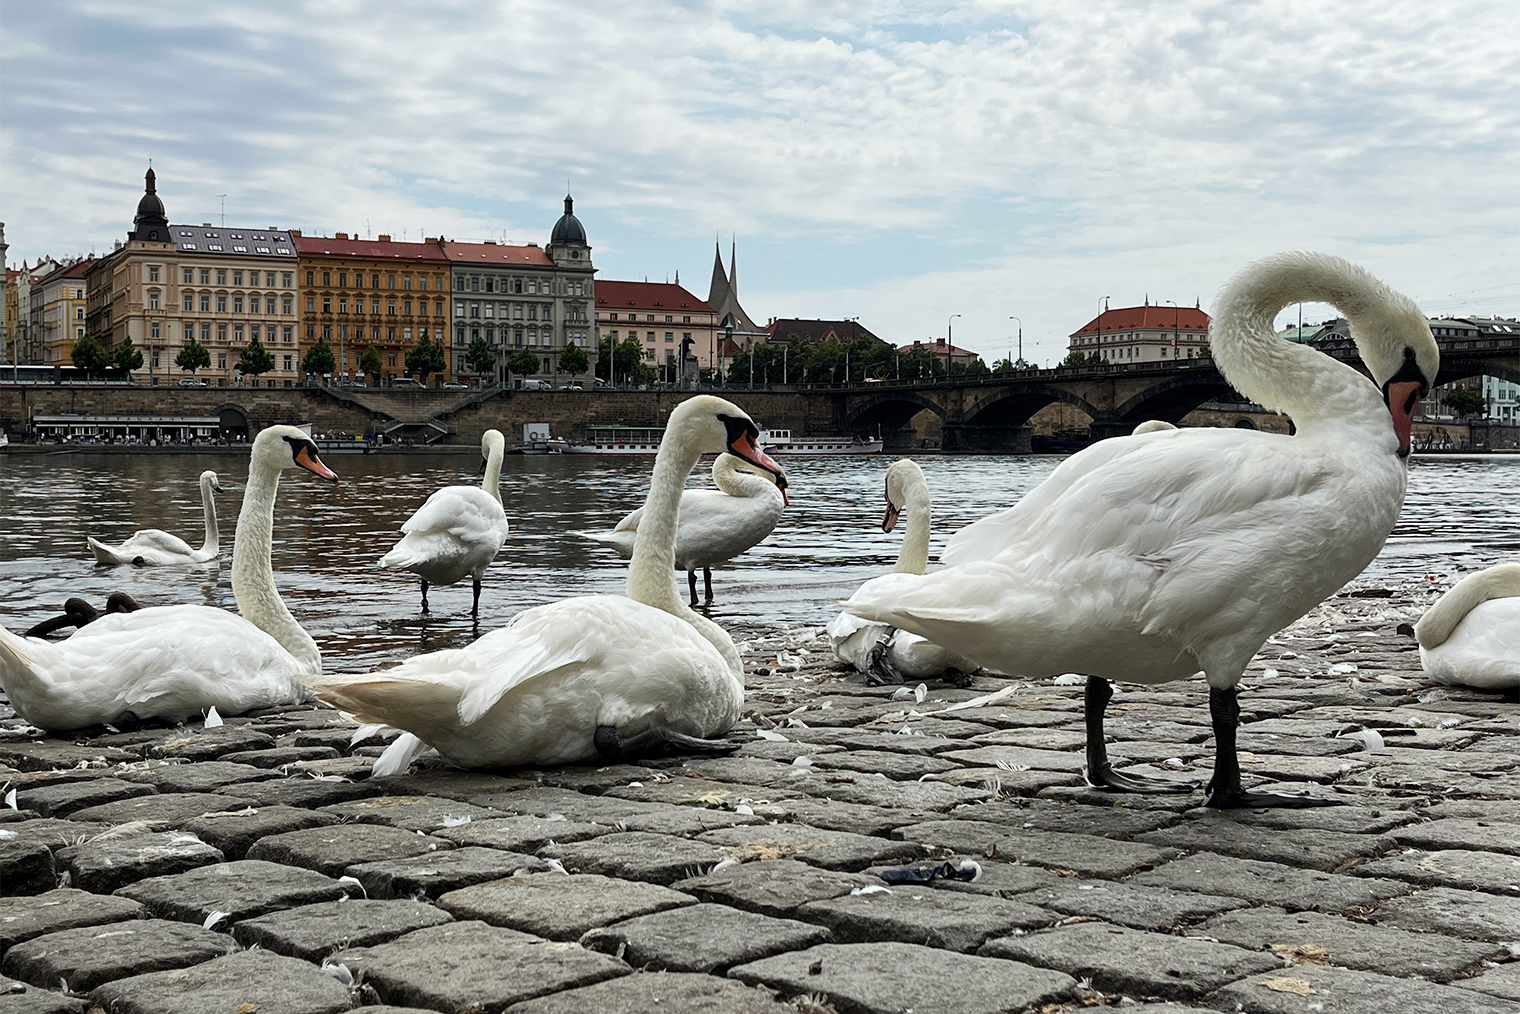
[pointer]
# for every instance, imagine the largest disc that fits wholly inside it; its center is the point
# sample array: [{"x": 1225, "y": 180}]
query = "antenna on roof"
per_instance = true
[
  {"x": 224, "y": 208},
  {"x": 368, "y": 233}
]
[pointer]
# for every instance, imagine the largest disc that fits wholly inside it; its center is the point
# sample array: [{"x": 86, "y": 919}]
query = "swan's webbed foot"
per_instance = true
[
  {"x": 1225, "y": 791},
  {"x": 128, "y": 721},
  {"x": 1105, "y": 777},
  {"x": 612, "y": 745},
  {"x": 1238, "y": 799},
  {"x": 880, "y": 672},
  {"x": 960, "y": 678}
]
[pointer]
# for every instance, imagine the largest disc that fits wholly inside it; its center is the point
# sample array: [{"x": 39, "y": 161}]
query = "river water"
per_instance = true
[{"x": 1461, "y": 512}]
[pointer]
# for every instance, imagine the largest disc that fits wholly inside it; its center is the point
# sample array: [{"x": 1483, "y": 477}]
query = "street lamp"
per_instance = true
[
  {"x": 1176, "y": 317},
  {"x": 949, "y": 345},
  {"x": 1021, "y": 337},
  {"x": 1099, "y": 327}
]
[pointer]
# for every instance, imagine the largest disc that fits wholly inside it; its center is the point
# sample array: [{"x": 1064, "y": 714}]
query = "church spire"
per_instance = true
[
  {"x": 719, "y": 290},
  {"x": 733, "y": 266}
]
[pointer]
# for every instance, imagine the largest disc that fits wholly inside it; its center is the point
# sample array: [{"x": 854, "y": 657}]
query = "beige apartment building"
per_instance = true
[
  {"x": 57, "y": 313},
  {"x": 1144, "y": 334},
  {"x": 661, "y": 316}
]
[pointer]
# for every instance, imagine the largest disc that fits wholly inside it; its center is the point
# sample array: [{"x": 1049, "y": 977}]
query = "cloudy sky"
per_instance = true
[{"x": 896, "y": 161}]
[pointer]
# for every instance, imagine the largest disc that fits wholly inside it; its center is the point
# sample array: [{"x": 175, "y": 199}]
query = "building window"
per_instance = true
[
  {"x": 189, "y": 332},
  {"x": 311, "y": 332},
  {"x": 221, "y": 304},
  {"x": 310, "y": 275},
  {"x": 670, "y": 336},
  {"x": 517, "y": 338},
  {"x": 221, "y": 360},
  {"x": 237, "y": 278},
  {"x": 288, "y": 334},
  {"x": 221, "y": 276},
  {"x": 237, "y": 334},
  {"x": 474, "y": 283},
  {"x": 205, "y": 276},
  {"x": 189, "y": 275},
  {"x": 269, "y": 306},
  {"x": 406, "y": 335},
  {"x": 221, "y": 333},
  {"x": 474, "y": 334},
  {"x": 205, "y": 333},
  {"x": 152, "y": 274},
  {"x": 686, "y": 319},
  {"x": 390, "y": 308},
  {"x": 327, "y": 304},
  {"x": 237, "y": 303},
  {"x": 153, "y": 330},
  {"x": 327, "y": 332},
  {"x": 153, "y": 358},
  {"x": 189, "y": 302},
  {"x": 153, "y": 301},
  {"x": 406, "y": 305},
  {"x": 532, "y": 311},
  {"x": 311, "y": 304},
  {"x": 288, "y": 364},
  {"x": 342, "y": 279},
  {"x": 392, "y": 359},
  {"x": 327, "y": 279},
  {"x": 548, "y": 312},
  {"x": 343, "y": 304}
]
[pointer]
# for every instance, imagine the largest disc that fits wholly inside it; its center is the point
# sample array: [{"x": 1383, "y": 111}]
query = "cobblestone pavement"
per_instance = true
[{"x": 255, "y": 867}]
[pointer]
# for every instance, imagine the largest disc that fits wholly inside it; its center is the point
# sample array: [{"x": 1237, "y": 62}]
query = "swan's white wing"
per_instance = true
[
  {"x": 465, "y": 512},
  {"x": 163, "y": 542},
  {"x": 1484, "y": 649},
  {"x": 458, "y": 531},
  {"x": 715, "y": 527}
]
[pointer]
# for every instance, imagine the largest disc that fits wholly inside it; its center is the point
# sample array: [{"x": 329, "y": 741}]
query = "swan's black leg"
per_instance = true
[
  {"x": 475, "y": 609},
  {"x": 612, "y": 745},
  {"x": 424, "y": 597},
  {"x": 1100, "y": 773},
  {"x": 1225, "y": 792},
  {"x": 128, "y": 721},
  {"x": 880, "y": 672},
  {"x": 691, "y": 582},
  {"x": 707, "y": 580}
]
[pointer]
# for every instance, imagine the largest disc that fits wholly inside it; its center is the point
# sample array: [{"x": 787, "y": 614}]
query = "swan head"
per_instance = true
[
  {"x": 491, "y": 442},
  {"x": 901, "y": 476},
  {"x": 210, "y": 481},
  {"x": 1396, "y": 346},
  {"x": 727, "y": 462},
  {"x": 708, "y": 424},
  {"x": 281, "y": 447}
]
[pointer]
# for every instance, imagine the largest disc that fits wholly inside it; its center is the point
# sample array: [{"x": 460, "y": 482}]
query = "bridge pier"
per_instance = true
[
  {"x": 963, "y": 439},
  {"x": 1102, "y": 429}
]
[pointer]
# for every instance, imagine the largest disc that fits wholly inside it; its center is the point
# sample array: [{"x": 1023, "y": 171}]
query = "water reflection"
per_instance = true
[{"x": 328, "y": 539}]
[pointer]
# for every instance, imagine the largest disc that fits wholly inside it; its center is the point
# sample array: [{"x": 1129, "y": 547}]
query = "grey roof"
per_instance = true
[{"x": 275, "y": 244}]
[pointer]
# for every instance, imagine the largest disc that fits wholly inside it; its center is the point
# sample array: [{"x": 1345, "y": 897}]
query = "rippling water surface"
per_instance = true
[{"x": 1460, "y": 511}]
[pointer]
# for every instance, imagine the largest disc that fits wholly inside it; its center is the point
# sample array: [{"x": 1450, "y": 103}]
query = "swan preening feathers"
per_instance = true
[
  {"x": 1148, "y": 558},
  {"x": 176, "y": 661},
  {"x": 1471, "y": 636},
  {"x": 150, "y": 547}
]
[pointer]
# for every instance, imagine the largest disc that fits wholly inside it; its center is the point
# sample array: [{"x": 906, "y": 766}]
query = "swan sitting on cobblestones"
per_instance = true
[
  {"x": 1471, "y": 636},
  {"x": 1149, "y": 558},
  {"x": 178, "y": 661},
  {"x": 151, "y": 547},
  {"x": 595, "y": 676}
]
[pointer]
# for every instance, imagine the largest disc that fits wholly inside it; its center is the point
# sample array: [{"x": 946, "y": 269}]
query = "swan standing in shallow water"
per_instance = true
[
  {"x": 151, "y": 547},
  {"x": 1149, "y": 558},
  {"x": 595, "y": 676},
  {"x": 458, "y": 531},
  {"x": 177, "y": 661},
  {"x": 715, "y": 525},
  {"x": 883, "y": 653},
  {"x": 1471, "y": 636}
]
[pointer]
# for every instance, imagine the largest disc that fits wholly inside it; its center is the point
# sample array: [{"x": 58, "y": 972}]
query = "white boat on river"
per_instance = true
[{"x": 646, "y": 440}]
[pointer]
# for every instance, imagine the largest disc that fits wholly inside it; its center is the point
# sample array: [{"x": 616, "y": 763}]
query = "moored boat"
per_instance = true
[{"x": 782, "y": 442}]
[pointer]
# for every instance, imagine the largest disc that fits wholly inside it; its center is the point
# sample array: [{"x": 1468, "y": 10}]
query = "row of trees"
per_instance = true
[{"x": 805, "y": 361}]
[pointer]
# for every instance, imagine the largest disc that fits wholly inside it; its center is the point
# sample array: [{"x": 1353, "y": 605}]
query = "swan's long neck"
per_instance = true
[
  {"x": 253, "y": 575},
  {"x": 740, "y": 482},
  {"x": 1307, "y": 385},
  {"x": 913, "y": 557},
  {"x": 491, "y": 482},
  {"x": 1436, "y": 626},
  {"x": 212, "y": 544}
]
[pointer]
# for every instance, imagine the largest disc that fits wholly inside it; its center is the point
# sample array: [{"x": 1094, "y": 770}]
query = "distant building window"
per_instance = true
[
  {"x": 205, "y": 333},
  {"x": 221, "y": 333},
  {"x": 288, "y": 334},
  {"x": 153, "y": 301},
  {"x": 459, "y": 309},
  {"x": 237, "y": 333},
  {"x": 327, "y": 304},
  {"x": 309, "y": 276},
  {"x": 284, "y": 280},
  {"x": 326, "y": 279},
  {"x": 221, "y": 276},
  {"x": 237, "y": 304},
  {"x": 221, "y": 304},
  {"x": 189, "y": 332},
  {"x": 311, "y": 304},
  {"x": 221, "y": 360},
  {"x": 342, "y": 279},
  {"x": 189, "y": 275},
  {"x": 288, "y": 363},
  {"x": 532, "y": 311},
  {"x": 390, "y": 308},
  {"x": 269, "y": 306},
  {"x": 189, "y": 302},
  {"x": 670, "y": 336},
  {"x": 153, "y": 330},
  {"x": 686, "y": 319},
  {"x": 343, "y": 304},
  {"x": 548, "y": 312},
  {"x": 205, "y": 276},
  {"x": 152, "y": 274},
  {"x": 406, "y": 306}
]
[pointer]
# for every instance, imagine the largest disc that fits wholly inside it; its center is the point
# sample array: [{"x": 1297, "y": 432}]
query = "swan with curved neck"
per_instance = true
[
  {"x": 714, "y": 526},
  {"x": 151, "y": 547},
  {"x": 1471, "y": 636},
  {"x": 1149, "y": 558},
  {"x": 887, "y": 655},
  {"x": 177, "y": 661},
  {"x": 458, "y": 531},
  {"x": 595, "y": 676}
]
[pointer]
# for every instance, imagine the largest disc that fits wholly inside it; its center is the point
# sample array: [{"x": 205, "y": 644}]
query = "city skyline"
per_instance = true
[{"x": 899, "y": 165}]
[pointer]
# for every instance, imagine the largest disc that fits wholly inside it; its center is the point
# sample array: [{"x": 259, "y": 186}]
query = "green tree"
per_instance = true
[
  {"x": 1465, "y": 401},
  {"x": 319, "y": 359},
  {"x": 1076, "y": 357},
  {"x": 480, "y": 358},
  {"x": 192, "y": 356},
  {"x": 369, "y": 362},
  {"x": 573, "y": 360},
  {"x": 524, "y": 363},
  {"x": 89, "y": 354},
  {"x": 125, "y": 357},
  {"x": 254, "y": 359},
  {"x": 625, "y": 361},
  {"x": 426, "y": 357}
]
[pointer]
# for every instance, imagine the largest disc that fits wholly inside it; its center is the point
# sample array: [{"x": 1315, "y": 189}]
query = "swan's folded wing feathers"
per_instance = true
[{"x": 463, "y": 511}]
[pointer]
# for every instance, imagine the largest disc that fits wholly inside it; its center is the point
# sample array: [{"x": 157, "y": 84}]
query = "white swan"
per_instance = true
[
  {"x": 177, "y": 661},
  {"x": 1471, "y": 636},
  {"x": 458, "y": 531},
  {"x": 150, "y": 547},
  {"x": 605, "y": 676},
  {"x": 883, "y": 653},
  {"x": 715, "y": 525},
  {"x": 1150, "y": 558}
]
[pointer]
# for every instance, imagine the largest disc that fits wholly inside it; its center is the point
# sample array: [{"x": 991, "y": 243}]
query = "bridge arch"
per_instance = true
[
  {"x": 891, "y": 413},
  {"x": 1453, "y": 369},
  {"x": 234, "y": 422},
  {"x": 1171, "y": 399},
  {"x": 1016, "y": 404}
]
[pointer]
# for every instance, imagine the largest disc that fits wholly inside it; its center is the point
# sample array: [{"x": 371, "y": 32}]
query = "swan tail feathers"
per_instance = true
[
  {"x": 375, "y": 699},
  {"x": 15, "y": 657},
  {"x": 401, "y": 558},
  {"x": 398, "y": 757},
  {"x": 536, "y": 658},
  {"x": 103, "y": 553}
]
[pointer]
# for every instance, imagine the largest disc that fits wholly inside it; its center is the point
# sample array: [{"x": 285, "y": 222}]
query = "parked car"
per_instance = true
[
  {"x": 454, "y": 385},
  {"x": 537, "y": 385},
  {"x": 193, "y": 382},
  {"x": 572, "y": 387},
  {"x": 409, "y": 384}
]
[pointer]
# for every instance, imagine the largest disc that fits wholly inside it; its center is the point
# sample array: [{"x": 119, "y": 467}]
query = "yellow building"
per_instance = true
[{"x": 58, "y": 314}]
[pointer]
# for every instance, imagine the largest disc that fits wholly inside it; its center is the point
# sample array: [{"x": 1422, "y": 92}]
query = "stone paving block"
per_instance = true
[
  {"x": 52, "y": 754},
  {"x": 386, "y": 1008},
  {"x": 891, "y": 978},
  {"x": 411, "y": 813},
  {"x": 1503, "y": 982},
  {"x": 875, "y": 790},
  {"x": 549, "y": 802},
  {"x": 784, "y": 751},
  {"x": 684, "y": 821},
  {"x": 832, "y": 850},
  {"x": 253, "y": 981},
  {"x": 352, "y": 768},
  {"x": 1147, "y": 908},
  {"x": 1317, "y": 989},
  {"x": 775, "y": 887},
  {"x": 22, "y": 918},
  {"x": 898, "y": 766},
  {"x": 1471, "y": 914},
  {"x": 101, "y": 865},
  {"x": 1462, "y": 833},
  {"x": 1346, "y": 819},
  {"x": 835, "y": 815},
  {"x": 332, "y": 850},
  {"x": 30, "y": 1000},
  {"x": 742, "y": 770},
  {"x": 312, "y": 932},
  {"x": 1493, "y": 872},
  {"x": 1287, "y": 768},
  {"x": 1017, "y": 757},
  {"x": 701, "y": 938},
  {"x": 676, "y": 992},
  {"x": 1003, "y": 880},
  {"x": 91, "y": 956},
  {"x": 635, "y": 855},
  {"x": 1091, "y": 796},
  {"x": 915, "y": 914},
  {"x": 874, "y": 738},
  {"x": 301, "y": 792},
  {"x": 1121, "y": 960},
  {"x": 209, "y": 744},
  {"x": 597, "y": 778},
  {"x": 1270, "y": 883},
  {"x": 521, "y": 834},
  {"x": 1073, "y": 818},
  {"x": 241, "y": 889},
  {"x": 438, "y": 872},
  {"x": 65, "y": 798},
  {"x": 207, "y": 776},
  {"x": 173, "y": 807},
  {"x": 1315, "y": 850},
  {"x": 560, "y": 907},
  {"x": 1315, "y": 938},
  {"x": 681, "y": 790},
  {"x": 1504, "y": 810},
  {"x": 235, "y": 830},
  {"x": 280, "y": 756},
  {"x": 26, "y": 867},
  {"x": 1034, "y": 739},
  {"x": 1084, "y": 854},
  {"x": 456, "y": 965}
]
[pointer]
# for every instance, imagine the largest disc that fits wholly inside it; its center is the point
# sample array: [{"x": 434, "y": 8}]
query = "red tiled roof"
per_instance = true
[
  {"x": 372, "y": 249},
  {"x": 647, "y": 296},
  {"x": 785, "y": 328},
  {"x": 1137, "y": 318},
  {"x": 72, "y": 271},
  {"x": 937, "y": 347},
  {"x": 497, "y": 253}
]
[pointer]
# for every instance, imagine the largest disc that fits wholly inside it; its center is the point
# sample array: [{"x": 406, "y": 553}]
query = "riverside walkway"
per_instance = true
[{"x": 256, "y": 867}]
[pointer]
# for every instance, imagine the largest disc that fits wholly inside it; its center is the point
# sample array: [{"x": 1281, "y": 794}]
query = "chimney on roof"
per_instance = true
[
  {"x": 490, "y": 242},
  {"x": 294, "y": 232},
  {"x": 385, "y": 237},
  {"x": 205, "y": 225},
  {"x": 433, "y": 239},
  {"x": 340, "y": 235}
]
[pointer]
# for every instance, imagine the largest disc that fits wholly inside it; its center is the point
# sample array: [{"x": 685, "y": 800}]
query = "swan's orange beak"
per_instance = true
[
  {"x": 890, "y": 521},
  {"x": 1402, "y": 397},
  {"x": 786, "y": 501},
  {"x": 307, "y": 458},
  {"x": 744, "y": 446}
]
